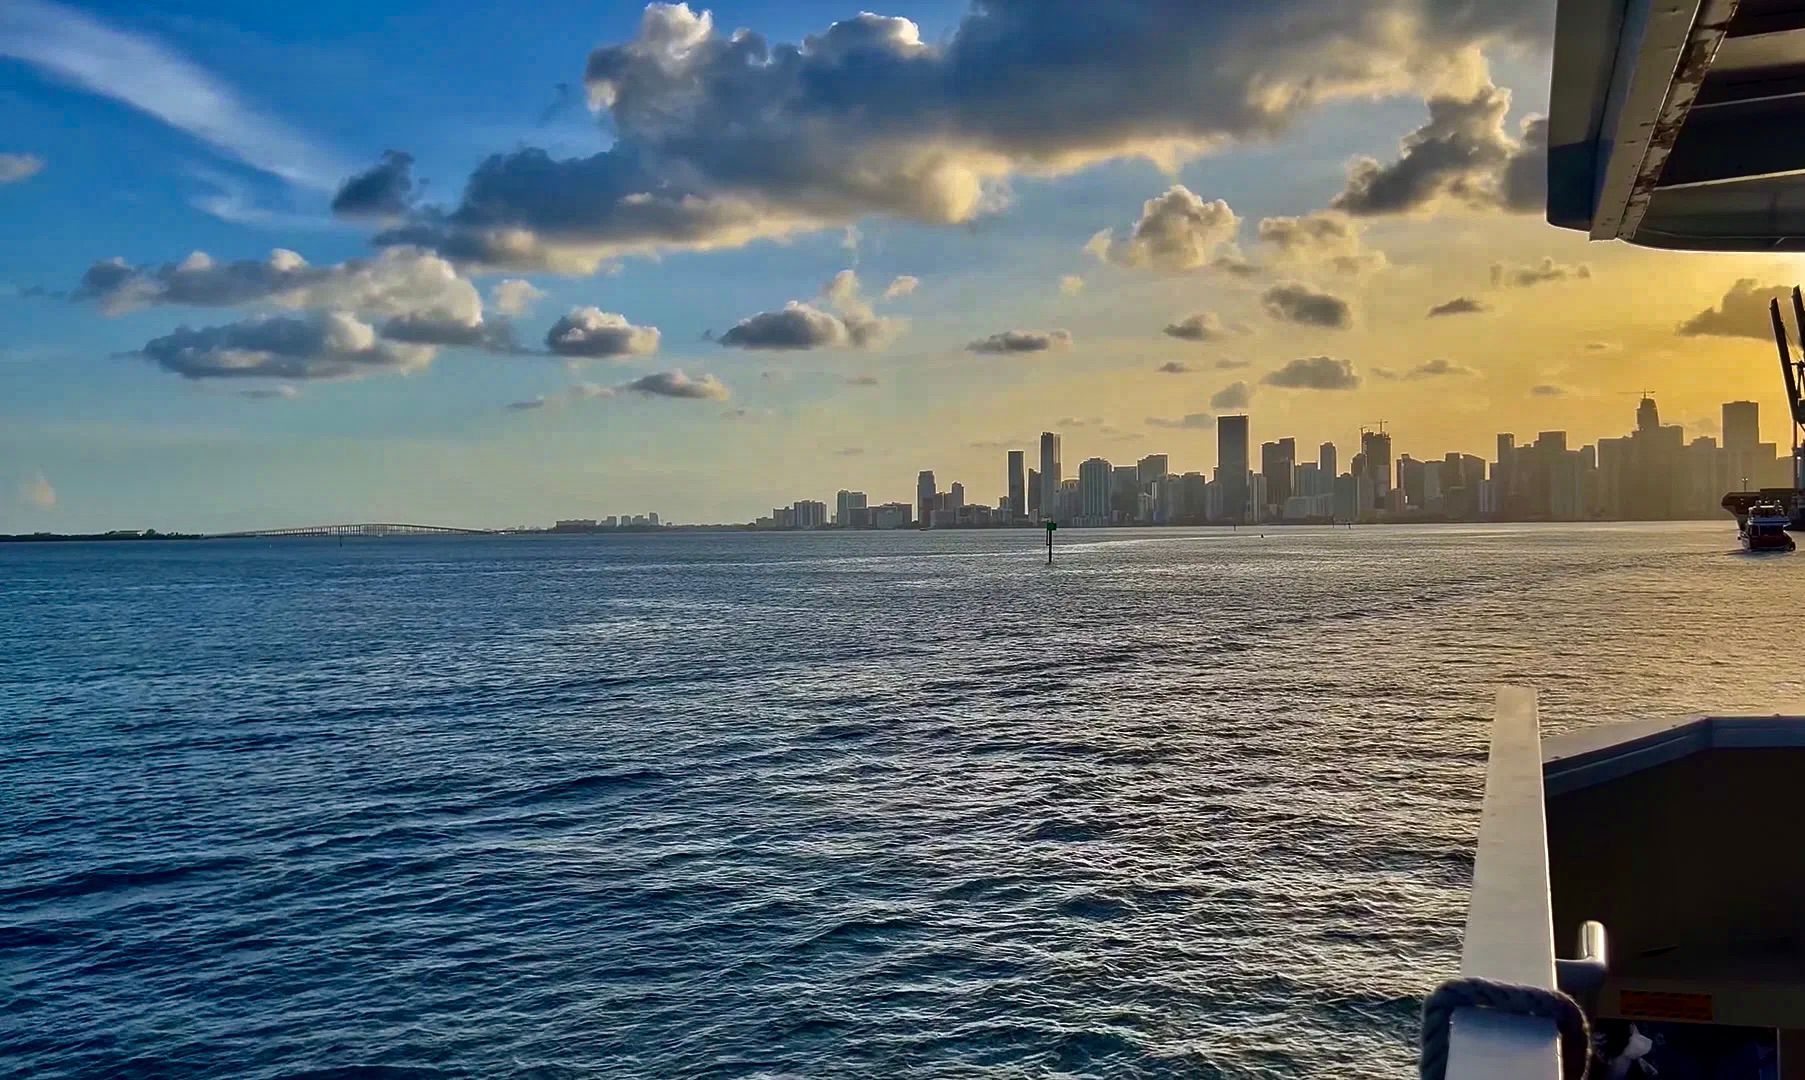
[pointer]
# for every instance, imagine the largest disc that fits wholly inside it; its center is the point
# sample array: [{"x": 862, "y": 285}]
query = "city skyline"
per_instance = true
[{"x": 282, "y": 311}]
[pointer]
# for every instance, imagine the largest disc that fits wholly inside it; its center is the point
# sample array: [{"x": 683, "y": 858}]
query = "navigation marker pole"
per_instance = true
[{"x": 1051, "y": 525}]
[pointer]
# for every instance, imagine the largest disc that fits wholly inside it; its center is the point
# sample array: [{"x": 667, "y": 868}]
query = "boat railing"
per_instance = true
[{"x": 1510, "y": 923}]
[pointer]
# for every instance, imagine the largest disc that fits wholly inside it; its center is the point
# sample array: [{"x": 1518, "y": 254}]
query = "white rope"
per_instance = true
[{"x": 1438, "y": 1016}]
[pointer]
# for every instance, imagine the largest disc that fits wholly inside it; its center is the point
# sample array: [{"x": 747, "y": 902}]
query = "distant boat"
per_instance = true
[{"x": 1765, "y": 528}]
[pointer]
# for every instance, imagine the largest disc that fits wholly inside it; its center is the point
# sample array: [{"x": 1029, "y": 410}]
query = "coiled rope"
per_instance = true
[{"x": 1438, "y": 1016}]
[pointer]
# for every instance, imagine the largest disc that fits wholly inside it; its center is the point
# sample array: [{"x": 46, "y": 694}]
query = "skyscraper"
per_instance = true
[
  {"x": 1231, "y": 465},
  {"x": 1018, "y": 493},
  {"x": 845, "y": 502},
  {"x": 1033, "y": 492},
  {"x": 1376, "y": 446},
  {"x": 1325, "y": 461},
  {"x": 1096, "y": 478},
  {"x": 925, "y": 491},
  {"x": 1153, "y": 468},
  {"x": 1276, "y": 459},
  {"x": 1050, "y": 475},
  {"x": 957, "y": 495},
  {"x": 1742, "y": 426}
]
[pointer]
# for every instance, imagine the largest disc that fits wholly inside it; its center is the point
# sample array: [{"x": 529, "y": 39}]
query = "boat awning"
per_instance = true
[{"x": 1676, "y": 123}]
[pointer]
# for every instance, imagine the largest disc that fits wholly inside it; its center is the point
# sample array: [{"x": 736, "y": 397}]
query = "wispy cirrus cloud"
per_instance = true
[{"x": 140, "y": 72}]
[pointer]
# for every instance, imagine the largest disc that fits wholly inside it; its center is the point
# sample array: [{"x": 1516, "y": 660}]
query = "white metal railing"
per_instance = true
[{"x": 1510, "y": 922}]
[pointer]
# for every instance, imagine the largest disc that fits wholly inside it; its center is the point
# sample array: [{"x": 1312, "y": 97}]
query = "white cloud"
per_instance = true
[
  {"x": 1176, "y": 231},
  {"x": 1071, "y": 285},
  {"x": 17, "y": 167},
  {"x": 591, "y": 333},
  {"x": 35, "y": 491},
  {"x": 140, "y": 72},
  {"x": 902, "y": 285},
  {"x": 514, "y": 296}
]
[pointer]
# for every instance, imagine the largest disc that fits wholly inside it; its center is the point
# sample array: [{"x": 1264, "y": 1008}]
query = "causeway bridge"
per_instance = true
[{"x": 367, "y": 528}]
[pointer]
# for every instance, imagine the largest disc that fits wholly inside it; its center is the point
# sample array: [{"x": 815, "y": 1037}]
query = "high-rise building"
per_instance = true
[
  {"x": 925, "y": 492},
  {"x": 957, "y": 496},
  {"x": 845, "y": 502},
  {"x": 1125, "y": 493},
  {"x": 1325, "y": 461},
  {"x": 1033, "y": 492},
  {"x": 1096, "y": 482},
  {"x": 1742, "y": 426},
  {"x": 1152, "y": 469},
  {"x": 1275, "y": 466},
  {"x": 1018, "y": 497},
  {"x": 1411, "y": 480},
  {"x": 1231, "y": 466},
  {"x": 1376, "y": 446},
  {"x": 1306, "y": 479},
  {"x": 1050, "y": 474}
]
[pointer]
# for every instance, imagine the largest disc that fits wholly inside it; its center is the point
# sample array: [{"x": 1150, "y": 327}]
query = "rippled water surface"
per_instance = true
[{"x": 1187, "y": 804}]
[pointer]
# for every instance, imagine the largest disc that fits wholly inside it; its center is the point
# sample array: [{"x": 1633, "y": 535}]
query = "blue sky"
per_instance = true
[{"x": 152, "y": 130}]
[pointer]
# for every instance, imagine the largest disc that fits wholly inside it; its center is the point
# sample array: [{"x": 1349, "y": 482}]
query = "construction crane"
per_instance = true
[{"x": 1793, "y": 372}]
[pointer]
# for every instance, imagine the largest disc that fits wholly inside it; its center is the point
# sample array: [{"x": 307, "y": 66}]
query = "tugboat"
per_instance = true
[{"x": 1765, "y": 528}]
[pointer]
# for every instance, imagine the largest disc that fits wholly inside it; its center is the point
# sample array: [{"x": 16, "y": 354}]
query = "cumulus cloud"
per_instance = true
[
  {"x": 319, "y": 345},
  {"x": 1235, "y": 395},
  {"x": 1460, "y": 305},
  {"x": 798, "y": 325},
  {"x": 1071, "y": 285},
  {"x": 514, "y": 296},
  {"x": 1295, "y": 302},
  {"x": 1174, "y": 367},
  {"x": 675, "y": 384},
  {"x": 1516, "y": 276},
  {"x": 1463, "y": 157},
  {"x": 35, "y": 491},
  {"x": 902, "y": 285},
  {"x": 1177, "y": 231},
  {"x": 1203, "y": 326},
  {"x": 17, "y": 167},
  {"x": 1326, "y": 240},
  {"x": 385, "y": 190},
  {"x": 1741, "y": 313},
  {"x": 591, "y": 333},
  {"x": 1429, "y": 369},
  {"x": 1315, "y": 373},
  {"x": 665, "y": 384},
  {"x": 719, "y": 138},
  {"x": 1021, "y": 341},
  {"x": 423, "y": 297},
  {"x": 1190, "y": 421},
  {"x": 1548, "y": 390}
]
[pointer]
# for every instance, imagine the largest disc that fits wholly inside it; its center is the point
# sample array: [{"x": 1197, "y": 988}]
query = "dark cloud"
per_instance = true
[
  {"x": 1191, "y": 421},
  {"x": 1509, "y": 276},
  {"x": 1548, "y": 390},
  {"x": 271, "y": 393},
  {"x": 720, "y": 138},
  {"x": 1235, "y": 395},
  {"x": 593, "y": 333},
  {"x": 1742, "y": 312},
  {"x": 1324, "y": 240},
  {"x": 1315, "y": 373},
  {"x": 1232, "y": 365},
  {"x": 17, "y": 167},
  {"x": 1295, "y": 302},
  {"x": 1429, "y": 369},
  {"x": 1176, "y": 231},
  {"x": 795, "y": 326},
  {"x": 1462, "y": 156},
  {"x": 1022, "y": 341},
  {"x": 1174, "y": 367},
  {"x": 385, "y": 190},
  {"x": 333, "y": 345},
  {"x": 675, "y": 384},
  {"x": 1203, "y": 326},
  {"x": 1460, "y": 305}
]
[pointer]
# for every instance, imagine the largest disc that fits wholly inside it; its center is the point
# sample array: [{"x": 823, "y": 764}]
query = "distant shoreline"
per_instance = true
[{"x": 152, "y": 536}]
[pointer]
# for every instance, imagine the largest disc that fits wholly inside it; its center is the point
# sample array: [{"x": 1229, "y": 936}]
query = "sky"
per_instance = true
[{"x": 271, "y": 265}]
